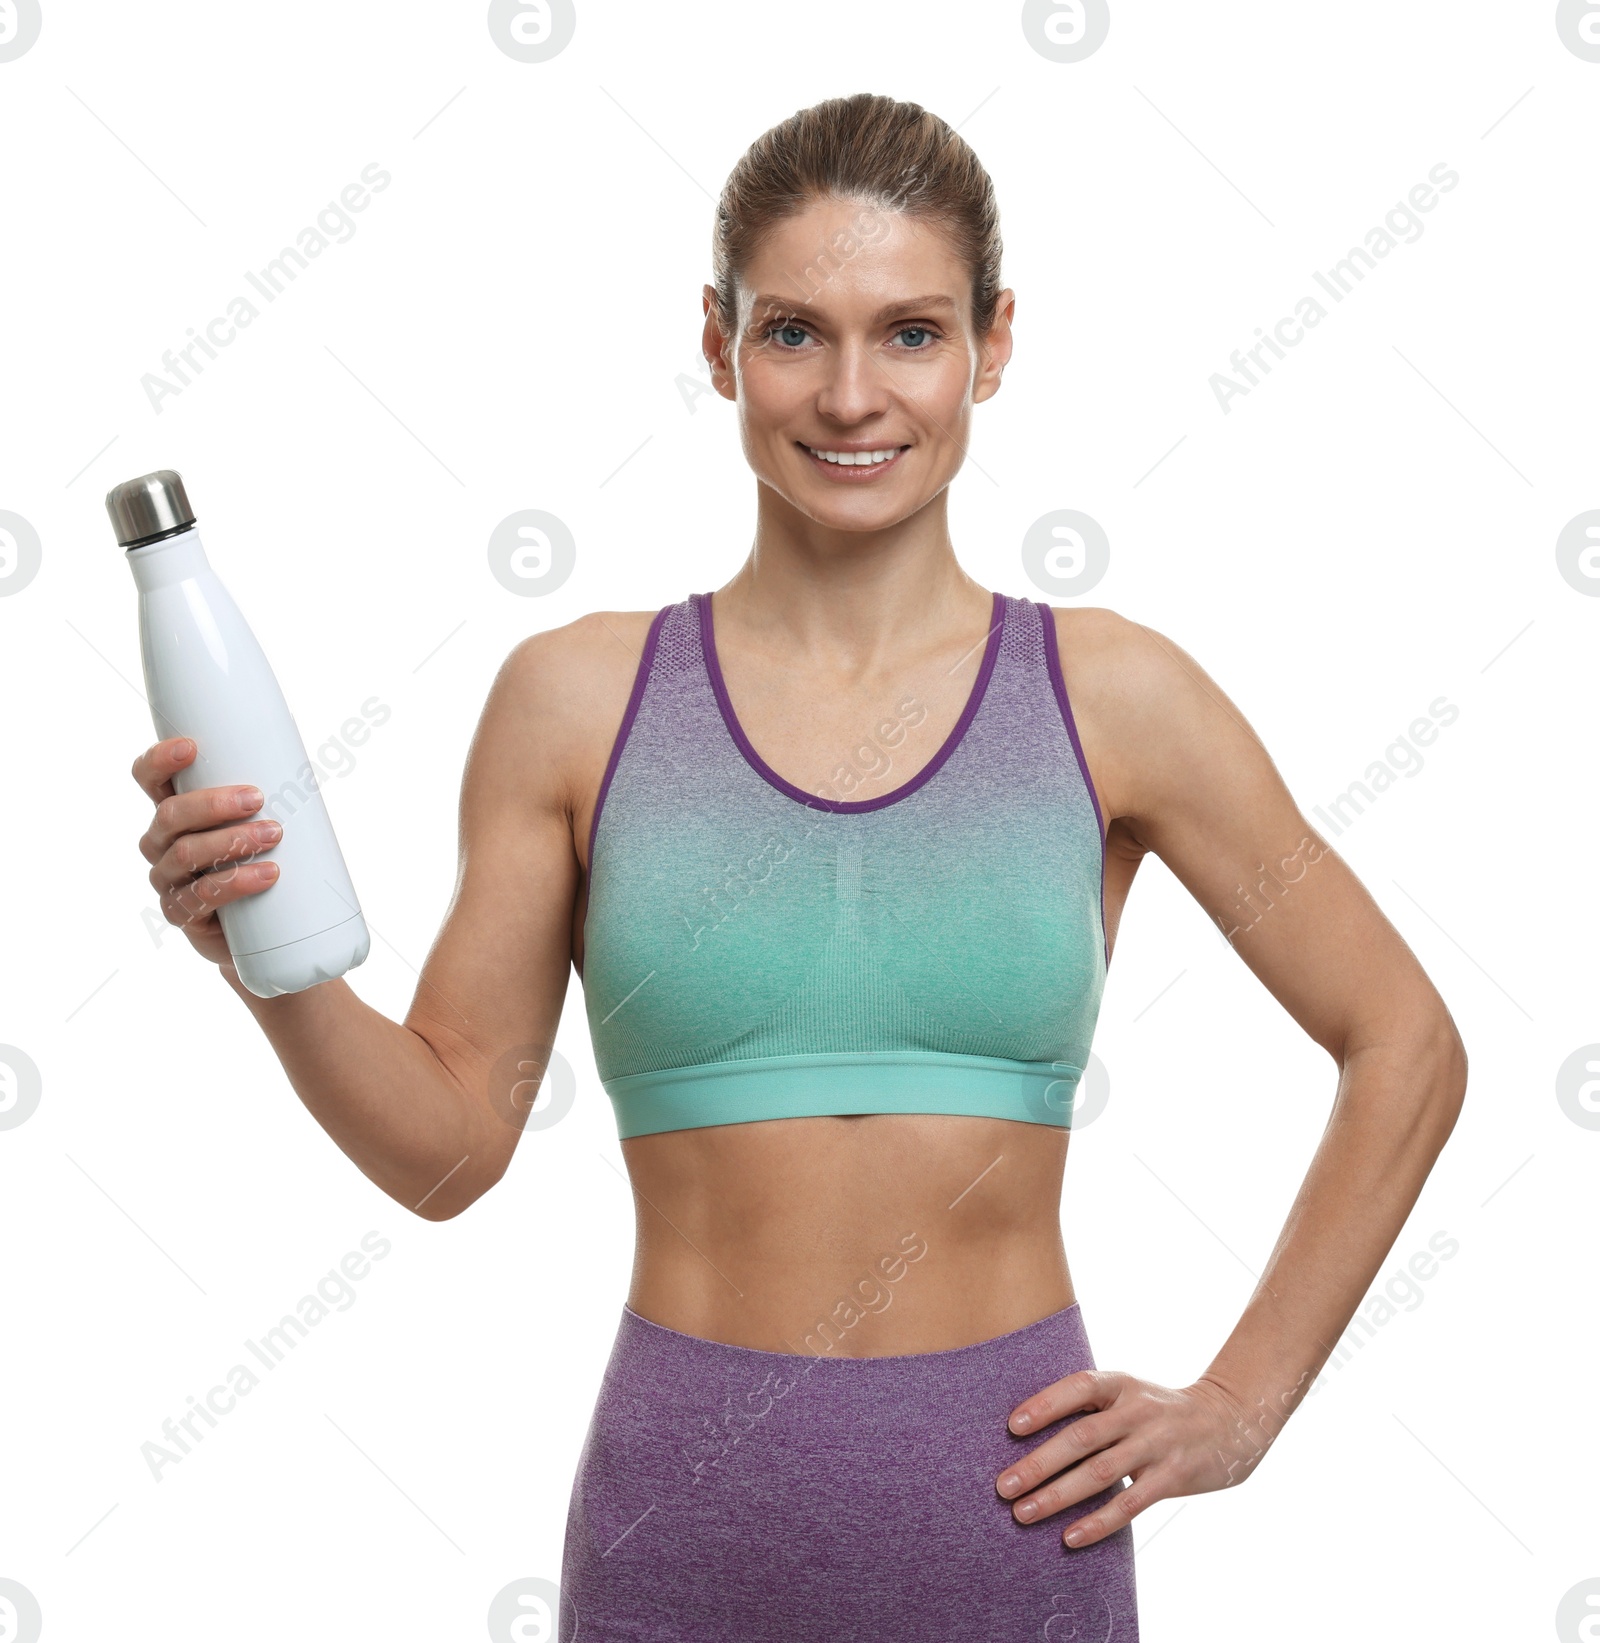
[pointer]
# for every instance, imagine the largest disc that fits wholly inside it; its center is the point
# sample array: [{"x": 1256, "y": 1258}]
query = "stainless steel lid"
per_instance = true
[{"x": 152, "y": 505}]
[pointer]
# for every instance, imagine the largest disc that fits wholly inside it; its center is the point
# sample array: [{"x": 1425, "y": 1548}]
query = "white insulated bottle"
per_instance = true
[{"x": 207, "y": 678}]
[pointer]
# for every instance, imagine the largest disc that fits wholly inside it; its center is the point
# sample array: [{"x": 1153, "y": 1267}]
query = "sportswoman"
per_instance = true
[{"x": 843, "y": 1017}]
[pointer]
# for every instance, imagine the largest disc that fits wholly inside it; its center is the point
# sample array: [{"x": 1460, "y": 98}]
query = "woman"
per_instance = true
[{"x": 839, "y": 853}]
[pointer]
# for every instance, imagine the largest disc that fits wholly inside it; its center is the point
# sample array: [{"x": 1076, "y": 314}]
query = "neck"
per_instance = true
[{"x": 816, "y": 590}]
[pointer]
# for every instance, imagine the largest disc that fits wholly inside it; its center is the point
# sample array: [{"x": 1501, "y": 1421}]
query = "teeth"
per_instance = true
[{"x": 854, "y": 459}]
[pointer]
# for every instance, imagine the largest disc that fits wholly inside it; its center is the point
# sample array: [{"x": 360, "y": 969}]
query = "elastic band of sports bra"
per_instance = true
[{"x": 816, "y": 1086}]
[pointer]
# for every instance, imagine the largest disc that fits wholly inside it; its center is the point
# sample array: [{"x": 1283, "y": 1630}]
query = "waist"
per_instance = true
[
  {"x": 639, "y": 1337},
  {"x": 844, "y": 1083},
  {"x": 919, "y": 1232}
]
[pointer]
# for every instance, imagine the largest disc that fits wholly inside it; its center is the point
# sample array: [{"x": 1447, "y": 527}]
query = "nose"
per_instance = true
[{"x": 855, "y": 387}]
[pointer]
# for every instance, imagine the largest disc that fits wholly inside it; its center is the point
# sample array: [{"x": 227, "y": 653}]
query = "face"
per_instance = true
[{"x": 854, "y": 337}]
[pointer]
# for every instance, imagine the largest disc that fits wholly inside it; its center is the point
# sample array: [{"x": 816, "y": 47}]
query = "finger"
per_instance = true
[
  {"x": 194, "y": 812},
  {"x": 153, "y": 769},
  {"x": 1087, "y": 1389},
  {"x": 192, "y": 854},
  {"x": 1115, "y": 1514},
  {"x": 1097, "y": 1472},
  {"x": 198, "y": 900},
  {"x": 1079, "y": 1438}
]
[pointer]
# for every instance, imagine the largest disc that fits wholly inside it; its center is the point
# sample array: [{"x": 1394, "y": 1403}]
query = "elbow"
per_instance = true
[
  {"x": 1450, "y": 1064},
  {"x": 435, "y": 1211},
  {"x": 444, "y": 1209},
  {"x": 1441, "y": 1075},
  {"x": 479, "y": 1157},
  {"x": 451, "y": 1197},
  {"x": 1458, "y": 1067},
  {"x": 1452, "y": 1073},
  {"x": 1417, "y": 1068}
]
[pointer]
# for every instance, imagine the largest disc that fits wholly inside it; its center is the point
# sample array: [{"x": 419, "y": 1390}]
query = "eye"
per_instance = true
[
  {"x": 787, "y": 336},
  {"x": 789, "y": 328}
]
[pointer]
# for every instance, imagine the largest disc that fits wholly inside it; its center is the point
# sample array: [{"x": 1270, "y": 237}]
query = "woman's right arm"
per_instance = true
[{"x": 429, "y": 1109}]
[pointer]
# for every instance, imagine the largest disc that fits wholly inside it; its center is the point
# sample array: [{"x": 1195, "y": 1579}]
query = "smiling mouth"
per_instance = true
[{"x": 852, "y": 467}]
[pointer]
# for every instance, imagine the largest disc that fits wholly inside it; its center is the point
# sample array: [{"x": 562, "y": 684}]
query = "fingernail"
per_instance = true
[
  {"x": 249, "y": 798},
  {"x": 182, "y": 750},
  {"x": 1074, "y": 1536},
  {"x": 1021, "y": 1423},
  {"x": 1009, "y": 1482},
  {"x": 1027, "y": 1510}
]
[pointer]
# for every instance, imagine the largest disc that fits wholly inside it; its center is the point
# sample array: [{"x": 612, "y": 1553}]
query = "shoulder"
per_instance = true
[
  {"x": 1151, "y": 718},
  {"x": 585, "y": 656},
  {"x": 1123, "y": 665},
  {"x": 560, "y": 695},
  {"x": 1116, "y": 670}
]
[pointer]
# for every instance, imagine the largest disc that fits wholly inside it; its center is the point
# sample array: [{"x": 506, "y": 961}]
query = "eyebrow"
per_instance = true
[{"x": 893, "y": 310}]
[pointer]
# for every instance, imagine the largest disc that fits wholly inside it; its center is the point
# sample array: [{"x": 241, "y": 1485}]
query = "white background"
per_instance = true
[{"x": 512, "y": 325}]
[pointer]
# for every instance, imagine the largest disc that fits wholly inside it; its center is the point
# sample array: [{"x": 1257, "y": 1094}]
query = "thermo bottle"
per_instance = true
[{"x": 207, "y": 678}]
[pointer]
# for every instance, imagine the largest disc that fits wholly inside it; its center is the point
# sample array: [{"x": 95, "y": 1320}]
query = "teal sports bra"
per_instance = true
[{"x": 755, "y": 951}]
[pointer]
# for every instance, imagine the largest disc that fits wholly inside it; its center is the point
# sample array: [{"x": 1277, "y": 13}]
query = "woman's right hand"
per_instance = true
[{"x": 192, "y": 839}]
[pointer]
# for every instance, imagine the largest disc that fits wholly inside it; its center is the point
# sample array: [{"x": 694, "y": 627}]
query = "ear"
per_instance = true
[
  {"x": 995, "y": 348},
  {"x": 717, "y": 348}
]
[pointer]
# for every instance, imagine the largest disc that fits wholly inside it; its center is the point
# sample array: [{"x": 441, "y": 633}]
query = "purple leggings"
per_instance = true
[{"x": 728, "y": 1495}]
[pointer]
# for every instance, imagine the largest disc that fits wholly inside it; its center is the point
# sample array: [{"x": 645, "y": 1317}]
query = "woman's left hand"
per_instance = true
[{"x": 1169, "y": 1440}]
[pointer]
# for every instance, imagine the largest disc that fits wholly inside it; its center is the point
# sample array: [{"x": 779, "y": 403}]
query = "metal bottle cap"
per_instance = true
[{"x": 150, "y": 506}]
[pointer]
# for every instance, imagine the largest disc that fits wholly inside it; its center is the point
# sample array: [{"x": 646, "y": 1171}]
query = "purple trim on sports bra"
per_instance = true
[
  {"x": 814, "y": 801},
  {"x": 635, "y": 696},
  {"x": 1058, "y": 682}
]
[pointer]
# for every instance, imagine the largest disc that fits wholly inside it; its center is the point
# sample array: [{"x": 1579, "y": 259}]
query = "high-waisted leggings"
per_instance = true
[{"x": 729, "y": 1495}]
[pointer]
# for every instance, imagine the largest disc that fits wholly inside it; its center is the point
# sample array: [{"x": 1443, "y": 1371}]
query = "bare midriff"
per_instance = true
[{"x": 858, "y": 1236}]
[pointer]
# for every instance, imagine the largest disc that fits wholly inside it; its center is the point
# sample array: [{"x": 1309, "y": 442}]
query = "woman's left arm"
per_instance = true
[{"x": 1187, "y": 778}]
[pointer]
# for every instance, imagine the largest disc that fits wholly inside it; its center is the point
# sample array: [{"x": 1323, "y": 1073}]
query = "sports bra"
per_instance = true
[{"x": 755, "y": 951}]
